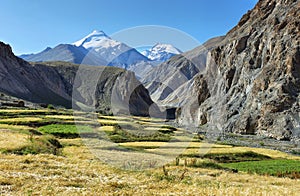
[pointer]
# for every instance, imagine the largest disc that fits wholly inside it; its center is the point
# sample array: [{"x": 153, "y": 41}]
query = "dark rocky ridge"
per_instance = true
[
  {"x": 251, "y": 83},
  {"x": 58, "y": 82}
]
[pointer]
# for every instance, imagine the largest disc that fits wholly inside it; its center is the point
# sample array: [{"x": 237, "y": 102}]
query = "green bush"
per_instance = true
[{"x": 50, "y": 106}]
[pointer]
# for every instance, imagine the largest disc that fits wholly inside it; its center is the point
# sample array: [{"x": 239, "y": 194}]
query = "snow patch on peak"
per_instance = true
[
  {"x": 166, "y": 48},
  {"x": 92, "y": 39},
  {"x": 161, "y": 52}
]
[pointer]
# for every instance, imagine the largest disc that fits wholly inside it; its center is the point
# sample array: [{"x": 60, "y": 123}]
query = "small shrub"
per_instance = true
[
  {"x": 165, "y": 171},
  {"x": 50, "y": 107}
]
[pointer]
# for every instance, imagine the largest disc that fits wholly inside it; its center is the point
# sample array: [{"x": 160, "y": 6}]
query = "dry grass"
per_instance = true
[
  {"x": 23, "y": 111},
  {"x": 21, "y": 120},
  {"x": 143, "y": 144},
  {"x": 149, "y": 120},
  {"x": 155, "y": 129},
  {"x": 219, "y": 149},
  {"x": 65, "y": 117},
  {"x": 15, "y": 127},
  {"x": 120, "y": 118},
  {"x": 106, "y": 128},
  {"x": 10, "y": 140},
  {"x": 78, "y": 172},
  {"x": 105, "y": 122},
  {"x": 158, "y": 144}
]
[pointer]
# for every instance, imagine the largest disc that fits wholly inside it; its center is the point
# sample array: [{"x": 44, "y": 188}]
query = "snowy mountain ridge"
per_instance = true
[
  {"x": 161, "y": 52},
  {"x": 114, "y": 52}
]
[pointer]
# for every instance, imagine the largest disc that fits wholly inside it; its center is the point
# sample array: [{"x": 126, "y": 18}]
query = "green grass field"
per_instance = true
[
  {"x": 65, "y": 131},
  {"x": 290, "y": 168}
]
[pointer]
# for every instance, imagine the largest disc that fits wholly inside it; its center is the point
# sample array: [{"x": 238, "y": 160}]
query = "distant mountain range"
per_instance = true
[
  {"x": 59, "y": 83},
  {"x": 68, "y": 53},
  {"x": 97, "y": 48}
]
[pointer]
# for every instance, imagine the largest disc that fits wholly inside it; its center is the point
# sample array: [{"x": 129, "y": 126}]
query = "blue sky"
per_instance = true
[{"x": 32, "y": 25}]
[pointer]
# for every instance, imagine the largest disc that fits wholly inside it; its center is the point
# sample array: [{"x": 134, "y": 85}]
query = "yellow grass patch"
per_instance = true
[
  {"x": 10, "y": 140},
  {"x": 220, "y": 149},
  {"x": 80, "y": 173},
  {"x": 113, "y": 122},
  {"x": 14, "y": 127},
  {"x": 143, "y": 144},
  {"x": 64, "y": 117},
  {"x": 120, "y": 118},
  {"x": 23, "y": 111},
  {"x": 147, "y": 119},
  {"x": 24, "y": 119},
  {"x": 106, "y": 128},
  {"x": 155, "y": 129}
]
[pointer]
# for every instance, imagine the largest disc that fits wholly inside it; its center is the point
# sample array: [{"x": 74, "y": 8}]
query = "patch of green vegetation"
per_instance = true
[
  {"x": 119, "y": 136},
  {"x": 169, "y": 127},
  {"x": 232, "y": 157},
  {"x": 50, "y": 107},
  {"x": 279, "y": 168},
  {"x": 39, "y": 145},
  {"x": 32, "y": 112},
  {"x": 203, "y": 164},
  {"x": 65, "y": 131},
  {"x": 33, "y": 121},
  {"x": 237, "y": 157},
  {"x": 296, "y": 152}
]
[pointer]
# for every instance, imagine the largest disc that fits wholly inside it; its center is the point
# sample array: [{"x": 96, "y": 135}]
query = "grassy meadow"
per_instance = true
[{"x": 59, "y": 152}]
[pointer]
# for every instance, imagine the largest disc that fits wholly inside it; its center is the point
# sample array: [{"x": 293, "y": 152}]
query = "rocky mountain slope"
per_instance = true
[
  {"x": 58, "y": 82},
  {"x": 251, "y": 83},
  {"x": 164, "y": 79}
]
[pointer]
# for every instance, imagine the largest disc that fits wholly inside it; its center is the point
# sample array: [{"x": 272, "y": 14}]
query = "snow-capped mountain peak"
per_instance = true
[
  {"x": 161, "y": 52},
  {"x": 92, "y": 40},
  {"x": 166, "y": 48},
  {"x": 114, "y": 52}
]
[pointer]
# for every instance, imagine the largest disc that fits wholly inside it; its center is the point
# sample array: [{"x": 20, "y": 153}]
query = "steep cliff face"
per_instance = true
[
  {"x": 60, "y": 83},
  {"x": 251, "y": 83},
  {"x": 21, "y": 79},
  {"x": 165, "y": 80}
]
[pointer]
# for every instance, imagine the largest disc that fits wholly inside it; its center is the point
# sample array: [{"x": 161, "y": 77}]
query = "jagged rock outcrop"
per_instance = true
[
  {"x": 60, "y": 83},
  {"x": 165, "y": 80},
  {"x": 251, "y": 84}
]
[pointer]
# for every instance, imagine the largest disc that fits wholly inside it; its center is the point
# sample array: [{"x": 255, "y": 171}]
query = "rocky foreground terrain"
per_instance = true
[{"x": 251, "y": 83}]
